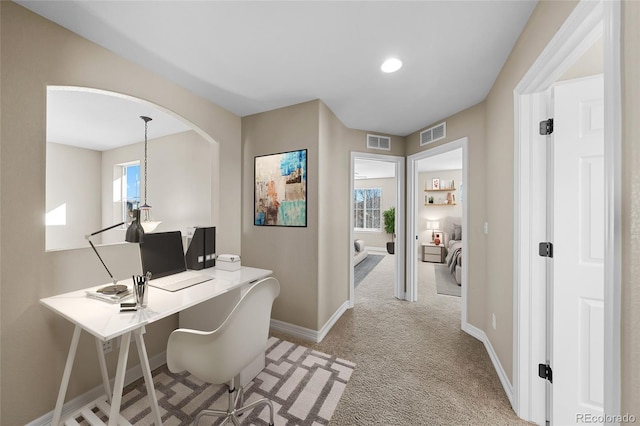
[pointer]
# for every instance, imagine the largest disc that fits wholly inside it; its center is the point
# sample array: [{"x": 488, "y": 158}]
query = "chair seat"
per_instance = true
[{"x": 218, "y": 356}]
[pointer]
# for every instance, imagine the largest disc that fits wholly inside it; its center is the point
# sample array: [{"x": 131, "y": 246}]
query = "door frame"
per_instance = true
[
  {"x": 412, "y": 217},
  {"x": 585, "y": 25},
  {"x": 398, "y": 287}
]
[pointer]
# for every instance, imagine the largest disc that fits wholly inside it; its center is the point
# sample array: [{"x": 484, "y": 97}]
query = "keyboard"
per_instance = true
[{"x": 179, "y": 281}]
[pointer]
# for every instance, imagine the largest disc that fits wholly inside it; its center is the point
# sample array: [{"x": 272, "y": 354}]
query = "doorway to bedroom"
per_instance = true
[
  {"x": 377, "y": 224},
  {"x": 436, "y": 223}
]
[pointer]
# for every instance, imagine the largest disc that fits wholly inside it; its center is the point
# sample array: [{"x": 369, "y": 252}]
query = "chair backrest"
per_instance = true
[{"x": 218, "y": 356}]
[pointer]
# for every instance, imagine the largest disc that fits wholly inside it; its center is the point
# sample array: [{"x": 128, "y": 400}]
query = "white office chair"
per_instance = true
[{"x": 218, "y": 356}]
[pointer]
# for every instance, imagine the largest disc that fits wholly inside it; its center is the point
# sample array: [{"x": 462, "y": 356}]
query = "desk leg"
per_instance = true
[
  {"x": 103, "y": 370},
  {"x": 57, "y": 412},
  {"x": 118, "y": 385},
  {"x": 148, "y": 378}
]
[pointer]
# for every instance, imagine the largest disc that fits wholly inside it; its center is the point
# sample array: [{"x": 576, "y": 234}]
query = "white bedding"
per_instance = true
[{"x": 454, "y": 255}]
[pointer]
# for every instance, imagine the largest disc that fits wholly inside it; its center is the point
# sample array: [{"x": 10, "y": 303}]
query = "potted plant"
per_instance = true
[{"x": 390, "y": 227}]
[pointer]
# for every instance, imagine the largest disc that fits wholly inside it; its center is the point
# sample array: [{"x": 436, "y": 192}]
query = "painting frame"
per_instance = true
[
  {"x": 280, "y": 189},
  {"x": 435, "y": 184}
]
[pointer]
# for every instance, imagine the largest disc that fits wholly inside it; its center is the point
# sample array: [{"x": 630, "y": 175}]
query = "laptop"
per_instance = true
[{"x": 162, "y": 254}]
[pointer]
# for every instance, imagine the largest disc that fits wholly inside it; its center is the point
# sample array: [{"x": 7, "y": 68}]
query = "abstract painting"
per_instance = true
[{"x": 281, "y": 189}]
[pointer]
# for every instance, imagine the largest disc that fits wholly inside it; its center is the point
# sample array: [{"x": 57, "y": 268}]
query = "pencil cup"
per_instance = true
[{"x": 141, "y": 291}]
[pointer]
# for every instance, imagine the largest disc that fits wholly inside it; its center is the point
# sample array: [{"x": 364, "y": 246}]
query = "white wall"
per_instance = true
[
  {"x": 378, "y": 239},
  {"x": 73, "y": 181},
  {"x": 437, "y": 212},
  {"x": 179, "y": 188}
]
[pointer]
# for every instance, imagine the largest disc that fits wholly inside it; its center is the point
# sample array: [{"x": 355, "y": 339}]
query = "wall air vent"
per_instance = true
[
  {"x": 433, "y": 134},
  {"x": 379, "y": 142}
]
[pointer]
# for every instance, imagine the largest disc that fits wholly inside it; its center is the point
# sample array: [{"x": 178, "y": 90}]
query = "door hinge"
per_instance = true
[
  {"x": 544, "y": 372},
  {"x": 546, "y": 127},
  {"x": 545, "y": 249}
]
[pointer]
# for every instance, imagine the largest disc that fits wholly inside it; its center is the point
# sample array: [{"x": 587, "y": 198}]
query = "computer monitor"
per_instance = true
[
  {"x": 162, "y": 254},
  {"x": 201, "y": 252}
]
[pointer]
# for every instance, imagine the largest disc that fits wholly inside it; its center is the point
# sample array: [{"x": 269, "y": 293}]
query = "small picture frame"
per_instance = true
[{"x": 435, "y": 183}]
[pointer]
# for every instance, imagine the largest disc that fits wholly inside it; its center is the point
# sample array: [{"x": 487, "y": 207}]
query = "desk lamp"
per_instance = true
[{"x": 134, "y": 235}]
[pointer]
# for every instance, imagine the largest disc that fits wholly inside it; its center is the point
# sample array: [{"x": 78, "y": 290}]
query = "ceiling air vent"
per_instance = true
[
  {"x": 433, "y": 134},
  {"x": 379, "y": 142}
]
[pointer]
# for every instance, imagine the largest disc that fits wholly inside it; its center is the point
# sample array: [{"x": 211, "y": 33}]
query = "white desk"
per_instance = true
[{"x": 105, "y": 321}]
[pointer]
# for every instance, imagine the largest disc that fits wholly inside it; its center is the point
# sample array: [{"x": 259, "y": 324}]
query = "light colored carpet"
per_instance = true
[
  {"x": 445, "y": 281},
  {"x": 414, "y": 364},
  {"x": 304, "y": 385}
]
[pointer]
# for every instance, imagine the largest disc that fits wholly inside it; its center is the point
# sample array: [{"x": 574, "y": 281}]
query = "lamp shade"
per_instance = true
[{"x": 433, "y": 224}]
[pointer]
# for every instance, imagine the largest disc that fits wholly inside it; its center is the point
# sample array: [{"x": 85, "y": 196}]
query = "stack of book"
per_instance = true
[{"x": 111, "y": 298}]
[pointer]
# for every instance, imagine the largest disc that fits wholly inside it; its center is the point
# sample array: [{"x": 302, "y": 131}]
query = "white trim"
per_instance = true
[
  {"x": 588, "y": 21},
  {"x": 377, "y": 249},
  {"x": 132, "y": 374},
  {"x": 502, "y": 375},
  {"x": 412, "y": 213},
  {"x": 307, "y": 333},
  {"x": 399, "y": 282},
  {"x": 613, "y": 206}
]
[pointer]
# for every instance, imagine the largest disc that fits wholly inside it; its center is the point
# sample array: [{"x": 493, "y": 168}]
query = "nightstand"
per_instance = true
[{"x": 433, "y": 253}]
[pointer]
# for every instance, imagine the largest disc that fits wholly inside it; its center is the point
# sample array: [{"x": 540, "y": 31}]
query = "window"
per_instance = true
[
  {"x": 366, "y": 209},
  {"x": 130, "y": 181}
]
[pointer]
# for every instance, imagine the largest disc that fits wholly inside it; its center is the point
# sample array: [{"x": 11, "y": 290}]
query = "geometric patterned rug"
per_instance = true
[{"x": 304, "y": 385}]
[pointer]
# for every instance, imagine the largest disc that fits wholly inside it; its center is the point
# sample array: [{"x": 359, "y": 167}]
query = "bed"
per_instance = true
[{"x": 453, "y": 232}]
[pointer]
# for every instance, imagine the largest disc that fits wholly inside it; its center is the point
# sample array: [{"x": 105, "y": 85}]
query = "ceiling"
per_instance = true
[
  {"x": 98, "y": 120},
  {"x": 250, "y": 57}
]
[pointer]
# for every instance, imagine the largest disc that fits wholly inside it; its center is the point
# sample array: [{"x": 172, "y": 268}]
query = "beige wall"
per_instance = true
[
  {"x": 311, "y": 263},
  {"x": 630, "y": 317},
  {"x": 334, "y": 246},
  {"x": 73, "y": 180},
  {"x": 291, "y": 252},
  {"x": 544, "y": 22},
  {"x": 469, "y": 123},
  {"x": 495, "y": 170},
  {"x": 180, "y": 169},
  {"x": 378, "y": 239},
  {"x": 34, "y": 342}
]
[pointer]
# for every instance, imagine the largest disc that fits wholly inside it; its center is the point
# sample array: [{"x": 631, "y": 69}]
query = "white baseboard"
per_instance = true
[
  {"x": 377, "y": 249},
  {"x": 132, "y": 374},
  {"x": 502, "y": 375},
  {"x": 307, "y": 333}
]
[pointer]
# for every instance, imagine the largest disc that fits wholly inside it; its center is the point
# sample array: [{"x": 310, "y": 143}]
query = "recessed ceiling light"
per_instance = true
[{"x": 391, "y": 65}]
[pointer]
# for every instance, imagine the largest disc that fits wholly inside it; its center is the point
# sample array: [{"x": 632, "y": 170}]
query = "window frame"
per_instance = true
[
  {"x": 124, "y": 198},
  {"x": 366, "y": 211}
]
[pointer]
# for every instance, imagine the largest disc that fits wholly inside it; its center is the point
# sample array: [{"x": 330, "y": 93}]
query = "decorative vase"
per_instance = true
[
  {"x": 436, "y": 241},
  {"x": 391, "y": 248}
]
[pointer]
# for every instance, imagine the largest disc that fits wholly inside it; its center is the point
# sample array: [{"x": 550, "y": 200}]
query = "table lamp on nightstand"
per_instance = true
[{"x": 433, "y": 226}]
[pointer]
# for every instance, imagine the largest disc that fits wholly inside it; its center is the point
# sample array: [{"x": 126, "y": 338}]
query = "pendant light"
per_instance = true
[{"x": 147, "y": 224}]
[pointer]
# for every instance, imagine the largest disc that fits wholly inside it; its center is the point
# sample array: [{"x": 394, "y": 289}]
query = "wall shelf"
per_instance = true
[
  {"x": 439, "y": 190},
  {"x": 439, "y": 204}
]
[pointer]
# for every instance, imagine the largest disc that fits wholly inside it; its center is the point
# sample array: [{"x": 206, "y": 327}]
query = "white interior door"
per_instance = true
[{"x": 577, "y": 276}]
